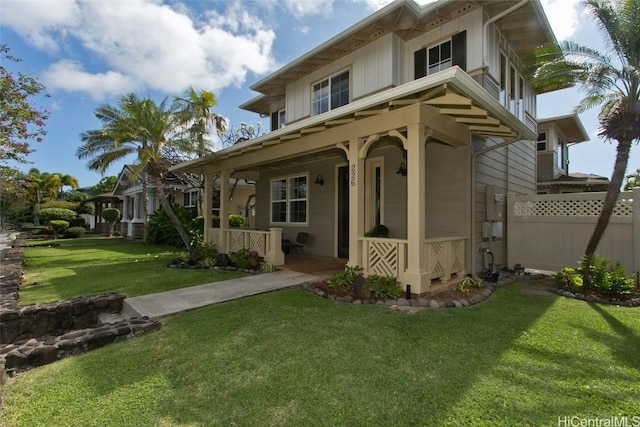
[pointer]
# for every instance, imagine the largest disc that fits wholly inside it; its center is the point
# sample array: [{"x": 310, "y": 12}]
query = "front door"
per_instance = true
[{"x": 343, "y": 211}]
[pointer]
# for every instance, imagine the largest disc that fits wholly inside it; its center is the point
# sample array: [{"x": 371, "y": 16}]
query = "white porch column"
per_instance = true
[
  {"x": 207, "y": 199},
  {"x": 356, "y": 201},
  {"x": 275, "y": 255},
  {"x": 224, "y": 209},
  {"x": 417, "y": 273}
]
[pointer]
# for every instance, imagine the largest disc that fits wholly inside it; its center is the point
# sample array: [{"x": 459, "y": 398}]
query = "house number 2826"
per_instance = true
[{"x": 353, "y": 175}]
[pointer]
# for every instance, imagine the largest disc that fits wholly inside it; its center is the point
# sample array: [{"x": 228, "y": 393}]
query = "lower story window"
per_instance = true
[
  {"x": 190, "y": 199},
  {"x": 289, "y": 200}
]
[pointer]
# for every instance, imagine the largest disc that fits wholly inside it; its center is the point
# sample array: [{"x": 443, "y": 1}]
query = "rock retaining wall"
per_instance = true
[{"x": 35, "y": 335}]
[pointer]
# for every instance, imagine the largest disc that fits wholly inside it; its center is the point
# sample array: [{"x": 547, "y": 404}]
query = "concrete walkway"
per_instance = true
[{"x": 172, "y": 302}]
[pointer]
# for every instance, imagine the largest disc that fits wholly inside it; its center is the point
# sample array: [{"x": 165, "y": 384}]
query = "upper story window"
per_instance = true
[
  {"x": 278, "y": 119},
  {"x": 561, "y": 154},
  {"x": 330, "y": 93},
  {"x": 289, "y": 200},
  {"x": 542, "y": 141},
  {"x": 441, "y": 56}
]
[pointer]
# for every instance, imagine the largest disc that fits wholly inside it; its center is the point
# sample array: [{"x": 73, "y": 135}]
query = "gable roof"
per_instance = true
[
  {"x": 525, "y": 28},
  {"x": 570, "y": 125},
  {"x": 183, "y": 179}
]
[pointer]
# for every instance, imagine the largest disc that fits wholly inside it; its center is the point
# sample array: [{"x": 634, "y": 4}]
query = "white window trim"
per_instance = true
[
  {"x": 192, "y": 202},
  {"x": 287, "y": 200},
  {"x": 328, "y": 80}
]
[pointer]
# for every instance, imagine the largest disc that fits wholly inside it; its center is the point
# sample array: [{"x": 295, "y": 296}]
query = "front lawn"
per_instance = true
[
  {"x": 291, "y": 358},
  {"x": 90, "y": 266}
]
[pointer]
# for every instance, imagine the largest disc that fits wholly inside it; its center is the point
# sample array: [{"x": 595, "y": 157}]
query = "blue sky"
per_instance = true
[{"x": 90, "y": 53}]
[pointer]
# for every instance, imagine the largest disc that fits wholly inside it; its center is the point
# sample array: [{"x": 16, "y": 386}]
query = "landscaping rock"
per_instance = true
[{"x": 402, "y": 302}]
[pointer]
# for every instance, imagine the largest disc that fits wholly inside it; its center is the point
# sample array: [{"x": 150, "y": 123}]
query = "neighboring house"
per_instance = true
[
  {"x": 555, "y": 136},
  {"x": 418, "y": 118},
  {"x": 182, "y": 189}
]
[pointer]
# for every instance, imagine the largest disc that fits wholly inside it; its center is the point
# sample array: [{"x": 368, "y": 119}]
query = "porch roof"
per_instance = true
[
  {"x": 570, "y": 125},
  {"x": 451, "y": 93}
]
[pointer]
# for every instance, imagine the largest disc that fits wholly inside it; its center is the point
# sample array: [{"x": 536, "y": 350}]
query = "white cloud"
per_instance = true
[
  {"x": 37, "y": 21},
  {"x": 302, "y": 8},
  {"x": 563, "y": 17},
  {"x": 145, "y": 44},
  {"x": 70, "y": 76}
]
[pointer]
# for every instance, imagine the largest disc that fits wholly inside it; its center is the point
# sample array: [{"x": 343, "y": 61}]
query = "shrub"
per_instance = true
[
  {"x": 215, "y": 221},
  {"x": 468, "y": 283},
  {"x": 237, "y": 221},
  {"x": 241, "y": 258},
  {"x": 73, "y": 233},
  {"x": 205, "y": 252},
  {"x": 378, "y": 231},
  {"x": 111, "y": 215},
  {"x": 57, "y": 225},
  {"x": 49, "y": 214},
  {"x": 609, "y": 278},
  {"x": 160, "y": 229},
  {"x": 77, "y": 222},
  {"x": 384, "y": 286},
  {"x": 345, "y": 279},
  {"x": 569, "y": 277}
]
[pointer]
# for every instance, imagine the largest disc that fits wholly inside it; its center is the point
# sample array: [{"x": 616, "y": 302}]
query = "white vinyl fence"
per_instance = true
[{"x": 551, "y": 231}]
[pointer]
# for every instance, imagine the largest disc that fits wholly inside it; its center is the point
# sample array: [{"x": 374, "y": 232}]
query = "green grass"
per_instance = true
[
  {"x": 291, "y": 358},
  {"x": 90, "y": 266}
]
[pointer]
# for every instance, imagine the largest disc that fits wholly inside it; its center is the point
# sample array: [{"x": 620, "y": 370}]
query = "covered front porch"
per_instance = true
[{"x": 329, "y": 162}]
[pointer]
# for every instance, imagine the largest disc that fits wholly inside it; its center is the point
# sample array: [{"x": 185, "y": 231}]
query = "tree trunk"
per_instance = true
[
  {"x": 164, "y": 201},
  {"x": 610, "y": 200}
]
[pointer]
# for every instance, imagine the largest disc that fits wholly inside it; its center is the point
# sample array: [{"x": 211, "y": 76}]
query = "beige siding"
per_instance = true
[
  {"x": 506, "y": 170},
  {"x": 371, "y": 66}
]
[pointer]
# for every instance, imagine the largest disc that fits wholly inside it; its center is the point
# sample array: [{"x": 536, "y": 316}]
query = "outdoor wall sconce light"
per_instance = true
[
  {"x": 319, "y": 180},
  {"x": 402, "y": 170}
]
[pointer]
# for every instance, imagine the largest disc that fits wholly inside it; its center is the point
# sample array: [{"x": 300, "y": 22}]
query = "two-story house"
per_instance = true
[
  {"x": 418, "y": 118},
  {"x": 555, "y": 136}
]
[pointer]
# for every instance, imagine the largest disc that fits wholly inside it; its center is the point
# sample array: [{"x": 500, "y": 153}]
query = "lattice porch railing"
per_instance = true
[
  {"x": 385, "y": 257},
  {"x": 254, "y": 240},
  {"x": 445, "y": 257}
]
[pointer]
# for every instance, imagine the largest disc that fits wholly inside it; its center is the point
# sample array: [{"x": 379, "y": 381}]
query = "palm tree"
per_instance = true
[
  {"x": 610, "y": 80},
  {"x": 55, "y": 182},
  {"x": 142, "y": 128},
  {"x": 194, "y": 113},
  {"x": 36, "y": 180}
]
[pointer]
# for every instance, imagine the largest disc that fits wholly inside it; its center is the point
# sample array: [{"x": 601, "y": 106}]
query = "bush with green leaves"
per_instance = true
[
  {"x": 378, "y": 231},
  {"x": 468, "y": 283},
  {"x": 111, "y": 215},
  {"x": 57, "y": 225},
  {"x": 609, "y": 278},
  {"x": 78, "y": 222},
  {"x": 205, "y": 252},
  {"x": 236, "y": 220},
  {"x": 48, "y": 214},
  {"x": 241, "y": 258},
  {"x": 160, "y": 229},
  {"x": 345, "y": 279},
  {"x": 569, "y": 277},
  {"x": 384, "y": 286},
  {"x": 73, "y": 233}
]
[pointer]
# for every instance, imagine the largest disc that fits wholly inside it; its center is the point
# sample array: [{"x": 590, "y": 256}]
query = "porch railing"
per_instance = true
[
  {"x": 268, "y": 244},
  {"x": 385, "y": 257},
  {"x": 445, "y": 257},
  {"x": 388, "y": 257}
]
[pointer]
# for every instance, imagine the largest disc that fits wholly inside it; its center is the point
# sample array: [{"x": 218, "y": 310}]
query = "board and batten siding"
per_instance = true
[{"x": 372, "y": 68}]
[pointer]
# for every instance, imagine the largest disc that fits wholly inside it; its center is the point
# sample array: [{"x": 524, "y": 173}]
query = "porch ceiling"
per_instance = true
[{"x": 459, "y": 106}]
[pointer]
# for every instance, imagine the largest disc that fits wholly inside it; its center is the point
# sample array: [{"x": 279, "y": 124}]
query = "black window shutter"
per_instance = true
[
  {"x": 274, "y": 121},
  {"x": 420, "y": 63},
  {"x": 459, "y": 48}
]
